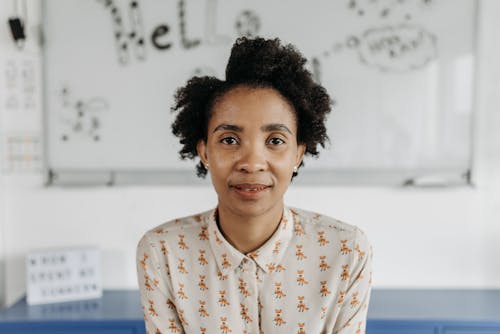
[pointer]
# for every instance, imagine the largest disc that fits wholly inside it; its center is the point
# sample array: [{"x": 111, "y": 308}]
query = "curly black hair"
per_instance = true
[{"x": 255, "y": 63}]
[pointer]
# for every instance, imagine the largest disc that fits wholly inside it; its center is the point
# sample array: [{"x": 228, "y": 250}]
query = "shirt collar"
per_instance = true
[{"x": 267, "y": 257}]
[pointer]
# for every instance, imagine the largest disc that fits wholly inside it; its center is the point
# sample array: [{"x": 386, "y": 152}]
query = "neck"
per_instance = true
[{"x": 248, "y": 233}]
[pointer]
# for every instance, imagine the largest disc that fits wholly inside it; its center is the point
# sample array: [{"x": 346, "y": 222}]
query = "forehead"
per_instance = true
[{"x": 245, "y": 105}]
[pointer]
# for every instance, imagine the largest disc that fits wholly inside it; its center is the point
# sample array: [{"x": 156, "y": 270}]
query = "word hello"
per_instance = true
[{"x": 247, "y": 23}]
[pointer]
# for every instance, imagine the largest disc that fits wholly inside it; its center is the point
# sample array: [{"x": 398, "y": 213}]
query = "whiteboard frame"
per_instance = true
[{"x": 418, "y": 177}]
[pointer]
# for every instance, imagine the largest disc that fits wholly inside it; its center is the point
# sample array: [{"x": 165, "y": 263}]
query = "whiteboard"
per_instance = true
[{"x": 400, "y": 73}]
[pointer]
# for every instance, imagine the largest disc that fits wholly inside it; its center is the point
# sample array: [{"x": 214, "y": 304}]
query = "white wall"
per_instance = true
[
  {"x": 3, "y": 215},
  {"x": 422, "y": 237}
]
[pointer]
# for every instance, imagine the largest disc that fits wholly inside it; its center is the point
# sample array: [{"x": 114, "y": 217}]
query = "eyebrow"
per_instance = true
[
  {"x": 229, "y": 127},
  {"x": 265, "y": 128},
  {"x": 275, "y": 127}
]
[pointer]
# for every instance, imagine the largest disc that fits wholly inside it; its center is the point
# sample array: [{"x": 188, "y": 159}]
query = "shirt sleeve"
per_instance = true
[
  {"x": 354, "y": 310},
  {"x": 160, "y": 314}
]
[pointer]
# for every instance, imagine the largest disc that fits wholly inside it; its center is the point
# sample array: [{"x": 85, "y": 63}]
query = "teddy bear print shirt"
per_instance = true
[{"x": 312, "y": 276}]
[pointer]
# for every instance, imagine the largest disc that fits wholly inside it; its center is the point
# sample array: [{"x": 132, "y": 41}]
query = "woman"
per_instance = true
[{"x": 252, "y": 264}]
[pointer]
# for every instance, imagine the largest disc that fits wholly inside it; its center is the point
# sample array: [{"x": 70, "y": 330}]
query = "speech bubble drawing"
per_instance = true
[{"x": 395, "y": 48}]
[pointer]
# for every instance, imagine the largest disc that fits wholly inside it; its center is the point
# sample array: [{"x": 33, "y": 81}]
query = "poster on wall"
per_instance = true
[{"x": 21, "y": 121}]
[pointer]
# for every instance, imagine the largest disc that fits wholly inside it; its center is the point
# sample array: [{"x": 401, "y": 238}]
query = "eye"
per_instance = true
[
  {"x": 276, "y": 141},
  {"x": 229, "y": 141}
]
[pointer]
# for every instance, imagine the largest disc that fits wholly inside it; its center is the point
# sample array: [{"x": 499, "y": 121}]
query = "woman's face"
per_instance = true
[{"x": 251, "y": 149}]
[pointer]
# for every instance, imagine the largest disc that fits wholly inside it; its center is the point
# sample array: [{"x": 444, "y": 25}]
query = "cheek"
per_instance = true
[
  {"x": 284, "y": 167},
  {"x": 287, "y": 160},
  {"x": 220, "y": 165},
  {"x": 221, "y": 160}
]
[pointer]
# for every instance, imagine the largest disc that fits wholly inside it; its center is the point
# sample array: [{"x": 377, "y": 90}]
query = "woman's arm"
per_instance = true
[
  {"x": 160, "y": 314},
  {"x": 353, "y": 312}
]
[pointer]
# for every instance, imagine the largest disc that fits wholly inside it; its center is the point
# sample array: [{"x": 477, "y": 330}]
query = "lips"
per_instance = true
[
  {"x": 250, "y": 191},
  {"x": 250, "y": 187}
]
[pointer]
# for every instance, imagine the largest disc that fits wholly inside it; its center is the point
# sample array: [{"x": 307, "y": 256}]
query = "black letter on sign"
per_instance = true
[
  {"x": 186, "y": 43},
  {"x": 160, "y": 31}
]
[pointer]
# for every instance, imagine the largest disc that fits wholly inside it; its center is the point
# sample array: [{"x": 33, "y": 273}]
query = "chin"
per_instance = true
[{"x": 252, "y": 208}]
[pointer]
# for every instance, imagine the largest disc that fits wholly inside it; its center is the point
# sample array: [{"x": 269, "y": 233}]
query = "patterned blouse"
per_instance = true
[{"x": 312, "y": 276}]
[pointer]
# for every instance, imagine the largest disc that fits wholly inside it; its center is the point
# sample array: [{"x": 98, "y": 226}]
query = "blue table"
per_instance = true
[
  {"x": 391, "y": 312},
  {"x": 434, "y": 312}
]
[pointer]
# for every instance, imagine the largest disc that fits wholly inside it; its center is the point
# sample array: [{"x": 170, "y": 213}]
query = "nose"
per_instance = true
[{"x": 253, "y": 159}]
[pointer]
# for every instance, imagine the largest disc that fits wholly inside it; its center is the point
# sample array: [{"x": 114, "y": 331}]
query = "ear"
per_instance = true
[
  {"x": 301, "y": 150},
  {"x": 201, "y": 148}
]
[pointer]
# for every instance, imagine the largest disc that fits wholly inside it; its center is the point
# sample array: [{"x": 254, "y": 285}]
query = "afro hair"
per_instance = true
[{"x": 254, "y": 63}]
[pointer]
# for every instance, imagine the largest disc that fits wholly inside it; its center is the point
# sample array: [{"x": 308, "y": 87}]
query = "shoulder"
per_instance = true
[
  {"x": 321, "y": 224},
  {"x": 187, "y": 227}
]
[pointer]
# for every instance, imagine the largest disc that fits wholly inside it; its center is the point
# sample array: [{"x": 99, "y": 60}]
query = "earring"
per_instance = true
[
  {"x": 206, "y": 166},
  {"x": 295, "y": 169}
]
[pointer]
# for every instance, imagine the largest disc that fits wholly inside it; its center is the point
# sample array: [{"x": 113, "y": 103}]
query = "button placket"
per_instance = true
[{"x": 251, "y": 302}]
